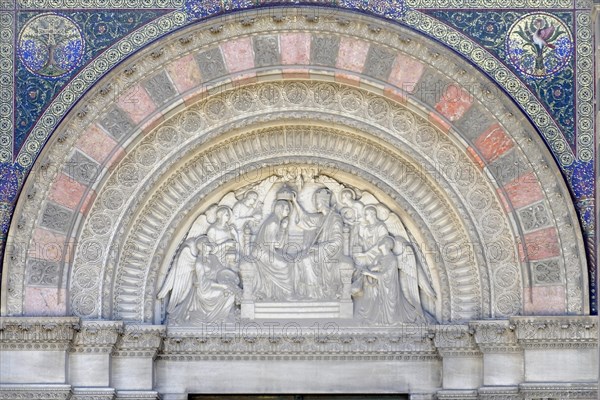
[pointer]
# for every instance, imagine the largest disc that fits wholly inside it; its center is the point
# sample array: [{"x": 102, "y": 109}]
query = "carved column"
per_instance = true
[
  {"x": 462, "y": 365},
  {"x": 34, "y": 350},
  {"x": 89, "y": 359},
  {"x": 502, "y": 359},
  {"x": 133, "y": 361}
]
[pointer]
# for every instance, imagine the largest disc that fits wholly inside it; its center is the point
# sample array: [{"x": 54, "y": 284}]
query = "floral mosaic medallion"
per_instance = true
[
  {"x": 539, "y": 45},
  {"x": 50, "y": 45}
]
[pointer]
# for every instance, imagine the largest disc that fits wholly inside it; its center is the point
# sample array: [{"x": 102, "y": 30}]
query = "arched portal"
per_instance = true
[{"x": 208, "y": 112}]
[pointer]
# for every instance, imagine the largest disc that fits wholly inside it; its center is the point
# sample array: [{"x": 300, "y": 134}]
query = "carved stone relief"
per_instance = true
[
  {"x": 301, "y": 245},
  {"x": 136, "y": 171},
  {"x": 397, "y": 118}
]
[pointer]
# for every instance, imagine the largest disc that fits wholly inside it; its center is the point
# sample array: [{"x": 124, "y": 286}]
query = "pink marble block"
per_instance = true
[
  {"x": 51, "y": 246},
  {"x": 184, "y": 73},
  {"x": 67, "y": 192},
  {"x": 96, "y": 144},
  {"x": 523, "y": 190},
  {"x": 542, "y": 244},
  {"x": 238, "y": 54},
  {"x": 454, "y": 103},
  {"x": 493, "y": 143},
  {"x": 44, "y": 301},
  {"x": 295, "y": 48},
  {"x": 544, "y": 300},
  {"x": 352, "y": 54},
  {"x": 406, "y": 73},
  {"x": 136, "y": 103}
]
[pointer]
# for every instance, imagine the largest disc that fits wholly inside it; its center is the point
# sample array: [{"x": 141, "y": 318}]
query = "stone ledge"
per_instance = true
[
  {"x": 542, "y": 390},
  {"x": 37, "y": 333},
  {"x": 92, "y": 393},
  {"x": 34, "y": 391}
]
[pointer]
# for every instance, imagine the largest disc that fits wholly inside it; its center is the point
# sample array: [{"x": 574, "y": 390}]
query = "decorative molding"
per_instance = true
[
  {"x": 270, "y": 341},
  {"x": 96, "y": 337},
  {"x": 37, "y": 333},
  {"x": 456, "y": 341},
  {"x": 509, "y": 300},
  {"x": 540, "y": 390},
  {"x": 34, "y": 392},
  {"x": 139, "y": 341},
  {"x": 137, "y": 395},
  {"x": 495, "y": 336},
  {"x": 556, "y": 332},
  {"x": 499, "y": 393},
  {"x": 83, "y": 393}
]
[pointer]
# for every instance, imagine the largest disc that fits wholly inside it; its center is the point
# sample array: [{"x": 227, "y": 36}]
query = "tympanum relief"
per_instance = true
[{"x": 298, "y": 245}]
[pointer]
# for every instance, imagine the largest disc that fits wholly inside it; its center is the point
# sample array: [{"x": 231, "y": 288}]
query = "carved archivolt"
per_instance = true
[
  {"x": 156, "y": 190},
  {"x": 149, "y": 199}
]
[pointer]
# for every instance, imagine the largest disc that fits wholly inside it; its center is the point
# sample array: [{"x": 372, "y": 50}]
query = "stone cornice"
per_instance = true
[
  {"x": 495, "y": 336},
  {"x": 537, "y": 390},
  {"x": 556, "y": 332},
  {"x": 34, "y": 391},
  {"x": 96, "y": 336},
  {"x": 140, "y": 341},
  {"x": 293, "y": 341},
  {"x": 37, "y": 333},
  {"x": 456, "y": 341}
]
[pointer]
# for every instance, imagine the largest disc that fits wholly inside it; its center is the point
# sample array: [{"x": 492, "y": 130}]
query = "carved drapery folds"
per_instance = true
[
  {"x": 110, "y": 263},
  {"x": 434, "y": 204},
  {"x": 300, "y": 244}
]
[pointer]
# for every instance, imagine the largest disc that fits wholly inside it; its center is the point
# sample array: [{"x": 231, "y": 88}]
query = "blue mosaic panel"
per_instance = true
[
  {"x": 53, "y": 47},
  {"x": 509, "y": 35}
]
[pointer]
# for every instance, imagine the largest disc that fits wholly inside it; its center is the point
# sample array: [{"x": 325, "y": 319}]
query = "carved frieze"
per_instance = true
[{"x": 39, "y": 333}]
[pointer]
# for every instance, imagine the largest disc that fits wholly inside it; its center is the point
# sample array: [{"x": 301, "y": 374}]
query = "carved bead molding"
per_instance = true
[
  {"x": 140, "y": 341},
  {"x": 292, "y": 341},
  {"x": 529, "y": 152},
  {"x": 34, "y": 392},
  {"x": 556, "y": 332},
  {"x": 96, "y": 337},
  {"x": 409, "y": 161},
  {"x": 37, "y": 333},
  {"x": 92, "y": 394},
  {"x": 536, "y": 391}
]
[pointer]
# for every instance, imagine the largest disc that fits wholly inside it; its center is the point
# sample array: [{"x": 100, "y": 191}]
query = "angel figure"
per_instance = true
[
  {"x": 180, "y": 279},
  {"x": 247, "y": 211},
  {"x": 222, "y": 233}
]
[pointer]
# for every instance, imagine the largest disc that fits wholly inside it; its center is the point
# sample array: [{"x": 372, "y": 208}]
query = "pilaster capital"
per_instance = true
[
  {"x": 140, "y": 340},
  {"x": 37, "y": 333}
]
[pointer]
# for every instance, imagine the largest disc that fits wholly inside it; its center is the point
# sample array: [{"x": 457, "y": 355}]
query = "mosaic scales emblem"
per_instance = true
[
  {"x": 539, "y": 45},
  {"x": 50, "y": 45}
]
